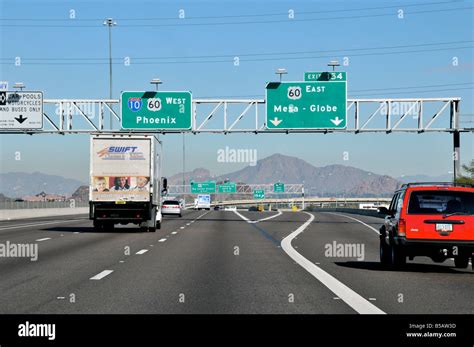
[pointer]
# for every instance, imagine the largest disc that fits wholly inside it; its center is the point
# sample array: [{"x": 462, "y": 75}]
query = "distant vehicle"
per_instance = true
[
  {"x": 230, "y": 208},
  {"x": 171, "y": 207},
  {"x": 203, "y": 202},
  {"x": 429, "y": 219},
  {"x": 253, "y": 208},
  {"x": 217, "y": 208},
  {"x": 125, "y": 182},
  {"x": 19, "y": 200}
]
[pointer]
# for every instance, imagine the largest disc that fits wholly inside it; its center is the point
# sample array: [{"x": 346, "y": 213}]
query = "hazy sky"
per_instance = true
[{"x": 433, "y": 58}]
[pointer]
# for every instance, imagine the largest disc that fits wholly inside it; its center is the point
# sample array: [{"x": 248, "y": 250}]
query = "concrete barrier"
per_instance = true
[{"x": 41, "y": 212}]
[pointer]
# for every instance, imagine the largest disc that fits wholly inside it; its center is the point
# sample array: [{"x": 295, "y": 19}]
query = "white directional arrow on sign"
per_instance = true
[
  {"x": 337, "y": 121},
  {"x": 275, "y": 121}
]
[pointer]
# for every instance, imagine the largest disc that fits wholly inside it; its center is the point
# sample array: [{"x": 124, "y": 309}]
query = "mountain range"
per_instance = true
[
  {"x": 337, "y": 180},
  {"x": 333, "y": 180},
  {"x": 19, "y": 184}
]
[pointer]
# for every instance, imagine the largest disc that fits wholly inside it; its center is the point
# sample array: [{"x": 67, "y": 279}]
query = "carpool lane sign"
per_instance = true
[
  {"x": 156, "y": 110},
  {"x": 21, "y": 110}
]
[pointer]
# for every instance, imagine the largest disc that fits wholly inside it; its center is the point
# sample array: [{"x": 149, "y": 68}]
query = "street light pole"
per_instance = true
[
  {"x": 184, "y": 165},
  {"x": 110, "y": 23}
]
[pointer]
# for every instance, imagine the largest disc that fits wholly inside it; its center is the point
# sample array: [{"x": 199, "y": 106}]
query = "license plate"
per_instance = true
[
  {"x": 120, "y": 202},
  {"x": 444, "y": 227}
]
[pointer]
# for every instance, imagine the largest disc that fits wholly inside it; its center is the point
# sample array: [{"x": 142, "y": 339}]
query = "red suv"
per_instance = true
[{"x": 429, "y": 219}]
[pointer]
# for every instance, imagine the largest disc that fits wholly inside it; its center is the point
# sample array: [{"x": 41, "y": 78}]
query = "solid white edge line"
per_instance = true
[
  {"x": 44, "y": 239},
  {"x": 161, "y": 240},
  {"x": 142, "y": 251},
  {"x": 350, "y": 297},
  {"x": 102, "y": 274},
  {"x": 361, "y": 222}
]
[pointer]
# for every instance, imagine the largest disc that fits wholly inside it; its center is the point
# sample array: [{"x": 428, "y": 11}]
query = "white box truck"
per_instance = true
[
  {"x": 203, "y": 201},
  {"x": 125, "y": 181}
]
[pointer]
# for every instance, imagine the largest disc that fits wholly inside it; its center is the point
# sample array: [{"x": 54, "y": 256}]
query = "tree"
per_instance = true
[{"x": 469, "y": 177}]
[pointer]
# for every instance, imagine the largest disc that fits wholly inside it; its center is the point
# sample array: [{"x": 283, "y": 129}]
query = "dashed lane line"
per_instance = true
[{"x": 101, "y": 275}]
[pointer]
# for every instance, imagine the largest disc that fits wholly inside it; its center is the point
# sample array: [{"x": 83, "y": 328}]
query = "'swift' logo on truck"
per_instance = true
[{"x": 117, "y": 152}]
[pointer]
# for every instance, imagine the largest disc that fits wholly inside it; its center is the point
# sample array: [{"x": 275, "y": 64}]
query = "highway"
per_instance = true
[{"x": 221, "y": 262}]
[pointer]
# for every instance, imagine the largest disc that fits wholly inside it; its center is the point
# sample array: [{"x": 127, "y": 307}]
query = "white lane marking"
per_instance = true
[
  {"x": 102, "y": 274},
  {"x": 142, "y": 251},
  {"x": 243, "y": 217},
  {"x": 46, "y": 238},
  {"x": 199, "y": 217},
  {"x": 181, "y": 227},
  {"x": 61, "y": 297},
  {"x": 188, "y": 223},
  {"x": 39, "y": 224},
  {"x": 161, "y": 240},
  {"x": 350, "y": 297},
  {"x": 256, "y": 221},
  {"x": 276, "y": 215},
  {"x": 174, "y": 233},
  {"x": 361, "y": 222},
  {"x": 76, "y": 232},
  {"x": 372, "y": 299},
  {"x": 121, "y": 261}
]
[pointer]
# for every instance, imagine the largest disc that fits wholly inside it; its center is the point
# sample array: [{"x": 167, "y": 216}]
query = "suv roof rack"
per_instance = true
[{"x": 452, "y": 184}]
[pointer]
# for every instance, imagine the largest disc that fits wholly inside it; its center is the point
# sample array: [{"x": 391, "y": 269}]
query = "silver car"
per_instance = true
[{"x": 171, "y": 207}]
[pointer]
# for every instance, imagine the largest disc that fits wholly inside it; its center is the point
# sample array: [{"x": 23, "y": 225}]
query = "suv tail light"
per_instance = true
[{"x": 402, "y": 227}]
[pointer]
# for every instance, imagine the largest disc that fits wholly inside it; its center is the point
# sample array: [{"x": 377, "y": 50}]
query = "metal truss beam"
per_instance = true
[{"x": 88, "y": 116}]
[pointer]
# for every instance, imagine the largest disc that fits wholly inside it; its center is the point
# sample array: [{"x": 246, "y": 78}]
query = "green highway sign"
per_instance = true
[
  {"x": 156, "y": 110},
  {"x": 203, "y": 187},
  {"x": 324, "y": 76},
  {"x": 306, "y": 105},
  {"x": 259, "y": 194},
  {"x": 229, "y": 187},
  {"x": 279, "y": 188}
]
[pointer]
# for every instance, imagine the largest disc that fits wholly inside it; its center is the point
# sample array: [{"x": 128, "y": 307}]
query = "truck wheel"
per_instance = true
[
  {"x": 398, "y": 257},
  {"x": 109, "y": 227},
  {"x": 385, "y": 253},
  {"x": 151, "y": 229},
  {"x": 158, "y": 225},
  {"x": 461, "y": 262}
]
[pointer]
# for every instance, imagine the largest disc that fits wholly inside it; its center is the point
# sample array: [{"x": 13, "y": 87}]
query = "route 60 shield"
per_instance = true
[{"x": 135, "y": 104}]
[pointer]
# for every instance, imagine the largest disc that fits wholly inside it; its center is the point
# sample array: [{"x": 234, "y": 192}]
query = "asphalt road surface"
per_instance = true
[{"x": 221, "y": 262}]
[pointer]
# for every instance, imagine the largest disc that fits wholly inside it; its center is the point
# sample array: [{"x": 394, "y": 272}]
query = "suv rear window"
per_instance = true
[
  {"x": 171, "y": 202},
  {"x": 437, "y": 202}
]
